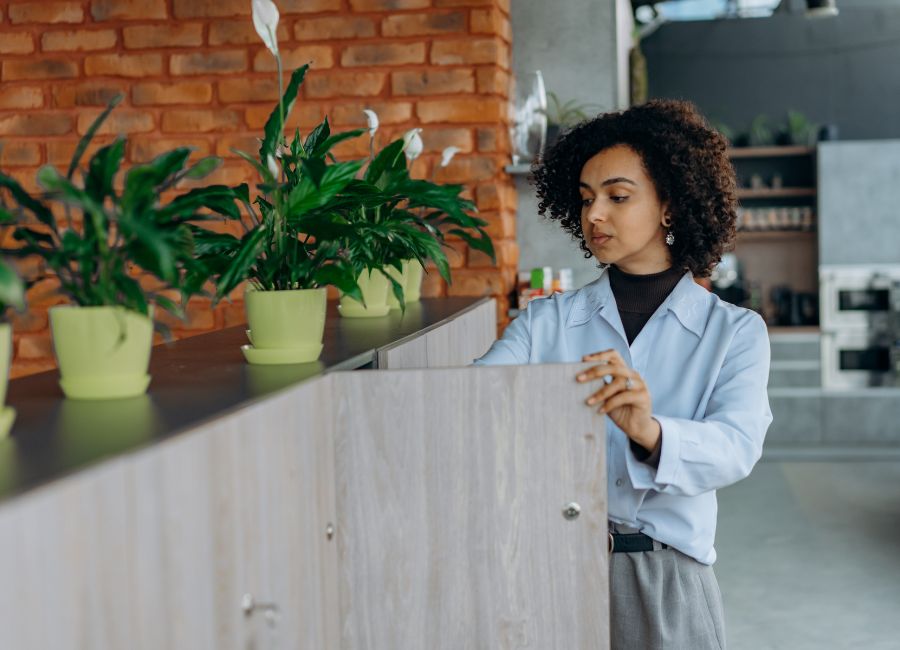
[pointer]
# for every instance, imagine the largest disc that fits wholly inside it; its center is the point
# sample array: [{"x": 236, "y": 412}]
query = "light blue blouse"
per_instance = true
[{"x": 706, "y": 365}]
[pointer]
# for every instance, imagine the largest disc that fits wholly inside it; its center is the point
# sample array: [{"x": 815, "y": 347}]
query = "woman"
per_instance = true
[{"x": 650, "y": 193}]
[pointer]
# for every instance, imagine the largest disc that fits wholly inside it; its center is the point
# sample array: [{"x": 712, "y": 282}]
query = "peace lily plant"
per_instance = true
[
  {"x": 96, "y": 237},
  {"x": 290, "y": 248},
  {"x": 12, "y": 295}
]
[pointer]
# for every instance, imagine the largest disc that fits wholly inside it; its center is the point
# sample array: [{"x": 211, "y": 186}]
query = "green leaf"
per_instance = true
[
  {"x": 89, "y": 135},
  {"x": 317, "y": 136},
  {"x": 204, "y": 167},
  {"x": 483, "y": 243},
  {"x": 217, "y": 198},
  {"x": 340, "y": 275},
  {"x": 141, "y": 181},
  {"x": 38, "y": 209},
  {"x": 239, "y": 268},
  {"x": 261, "y": 169},
  {"x": 388, "y": 159},
  {"x": 134, "y": 298},
  {"x": 102, "y": 170},
  {"x": 326, "y": 145},
  {"x": 274, "y": 128},
  {"x": 12, "y": 289}
]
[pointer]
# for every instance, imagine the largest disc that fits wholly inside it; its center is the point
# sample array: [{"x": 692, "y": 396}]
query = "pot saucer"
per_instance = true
[
  {"x": 7, "y": 417},
  {"x": 275, "y": 356},
  {"x": 111, "y": 387}
]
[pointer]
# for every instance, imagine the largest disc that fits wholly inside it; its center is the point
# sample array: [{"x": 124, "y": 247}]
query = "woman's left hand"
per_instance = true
[{"x": 625, "y": 399}]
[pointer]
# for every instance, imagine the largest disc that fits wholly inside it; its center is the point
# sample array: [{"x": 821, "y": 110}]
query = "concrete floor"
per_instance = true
[{"x": 809, "y": 556}]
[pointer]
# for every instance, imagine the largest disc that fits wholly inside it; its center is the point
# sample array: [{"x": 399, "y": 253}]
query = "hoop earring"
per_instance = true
[{"x": 670, "y": 238}]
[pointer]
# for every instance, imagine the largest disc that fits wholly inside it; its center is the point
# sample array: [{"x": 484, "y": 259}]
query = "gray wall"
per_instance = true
[
  {"x": 859, "y": 202},
  {"x": 843, "y": 70},
  {"x": 577, "y": 45}
]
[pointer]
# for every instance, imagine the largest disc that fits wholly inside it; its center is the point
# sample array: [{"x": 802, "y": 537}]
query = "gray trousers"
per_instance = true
[{"x": 664, "y": 600}]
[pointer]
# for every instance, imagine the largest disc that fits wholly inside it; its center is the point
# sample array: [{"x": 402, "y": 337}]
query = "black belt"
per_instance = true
[{"x": 631, "y": 543}]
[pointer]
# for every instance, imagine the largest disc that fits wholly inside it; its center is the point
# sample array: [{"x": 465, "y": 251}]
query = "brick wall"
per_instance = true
[{"x": 194, "y": 72}]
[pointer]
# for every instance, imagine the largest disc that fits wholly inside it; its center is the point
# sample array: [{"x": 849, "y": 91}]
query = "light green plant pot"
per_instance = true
[
  {"x": 410, "y": 278},
  {"x": 7, "y": 413},
  {"x": 285, "y": 326},
  {"x": 375, "y": 288},
  {"x": 103, "y": 352}
]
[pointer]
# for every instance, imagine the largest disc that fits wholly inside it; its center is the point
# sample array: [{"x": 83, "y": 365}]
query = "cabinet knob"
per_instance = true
[
  {"x": 249, "y": 605},
  {"x": 571, "y": 511},
  {"x": 329, "y": 531}
]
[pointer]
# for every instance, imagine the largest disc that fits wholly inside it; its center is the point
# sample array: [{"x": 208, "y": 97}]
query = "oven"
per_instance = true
[
  {"x": 857, "y": 297},
  {"x": 855, "y": 359}
]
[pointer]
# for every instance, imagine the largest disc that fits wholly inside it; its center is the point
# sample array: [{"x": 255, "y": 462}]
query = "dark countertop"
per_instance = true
[{"x": 194, "y": 380}]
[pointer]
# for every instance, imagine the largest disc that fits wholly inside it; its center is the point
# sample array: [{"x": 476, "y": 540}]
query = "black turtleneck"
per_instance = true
[{"x": 639, "y": 296}]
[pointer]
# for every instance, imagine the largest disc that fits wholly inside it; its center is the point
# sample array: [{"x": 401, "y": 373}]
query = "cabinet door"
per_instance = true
[
  {"x": 452, "y": 486},
  {"x": 464, "y": 339},
  {"x": 157, "y": 550}
]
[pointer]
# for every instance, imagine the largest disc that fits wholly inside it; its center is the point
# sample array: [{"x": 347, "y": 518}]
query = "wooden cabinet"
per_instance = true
[{"x": 372, "y": 510}]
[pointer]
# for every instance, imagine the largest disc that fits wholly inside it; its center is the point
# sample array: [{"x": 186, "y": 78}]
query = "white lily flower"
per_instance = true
[
  {"x": 412, "y": 144},
  {"x": 265, "y": 20},
  {"x": 372, "y": 118},
  {"x": 274, "y": 169},
  {"x": 448, "y": 154}
]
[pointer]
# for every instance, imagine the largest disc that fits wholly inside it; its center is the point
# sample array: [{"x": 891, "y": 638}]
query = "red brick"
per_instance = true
[
  {"x": 491, "y": 21},
  {"x": 346, "y": 84},
  {"x": 433, "y": 285},
  {"x": 168, "y": 35},
  {"x": 423, "y": 24},
  {"x": 492, "y": 81},
  {"x": 233, "y": 313},
  {"x": 248, "y": 90},
  {"x": 496, "y": 196},
  {"x": 432, "y": 82},
  {"x": 226, "y": 175},
  {"x": 504, "y": 6},
  {"x": 35, "y": 346},
  {"x": 29, "y": 124},
  {"x": 123, "y": 65},
  {"x": 472, "y": 50},
  {"x": 494, "y": 139},
  {"x": 210, "y": 8},
  {"x": 438, "y": 139},
  {"x": 42, "y": 69},
  {"x": 16, "y": 43},
  {"x": 467, "y": 169},
  {"x": 91, "y": 93},
  {"x": 25, "y": 367},
  {"x": 500, "y": 226},
  {"x": 200, "y": 121},
  {"x": 506, "y": 251},
  {"x": 186, "y": 92},
  {"x": 383, "y": 54},
  {"x": 22, "y": 97},
  {"x": 17, "y": 154},
  {"x": 128, "y": 9},
  {"x": 225, "y": 62},
  {"x": 78, "y": 40},
  {"x": 199, "y": 316},
  {"x": 475, "y": 109},
  {"x": 46, "y": 12},
  {"x": 304, "y": 115},
  {"x": 464, "y": 3},
  {"x": 319, "y": 56},
  {"x": 352, "y": 148},
  {"x": 476, "y": 283},
  {"x": 59, "y": 152},
  {"x": 333, "y": 28},
  {"x": 32, "y": 320},
  {"x": 239, "y": 32},
  {"x": 119, "y": 121},
  {"x": 388, "y": 5},
  {"x": 147, "y": 148},
  {"x": 246, "y": 143},
  {"x": 308, "y": 6},
  {"x": 388, "y": 113}
]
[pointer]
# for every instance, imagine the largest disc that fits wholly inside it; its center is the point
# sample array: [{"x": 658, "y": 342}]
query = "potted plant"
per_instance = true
[
  {"x": 401, "y": 224},
  {"x": 12, "y": 294},
  {"x": 289, "y": 251},
  {"x": 103, "y": 340},
  {"x": 563, "y": 115}
]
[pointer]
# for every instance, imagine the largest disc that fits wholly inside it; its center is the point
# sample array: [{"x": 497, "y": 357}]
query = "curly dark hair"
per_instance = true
[{"x": 684, "y": 157}]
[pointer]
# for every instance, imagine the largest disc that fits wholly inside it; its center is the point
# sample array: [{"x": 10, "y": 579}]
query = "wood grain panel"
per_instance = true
[{"x": 451, "y": 532}]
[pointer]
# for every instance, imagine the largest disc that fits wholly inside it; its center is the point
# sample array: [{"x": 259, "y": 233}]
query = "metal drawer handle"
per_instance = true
[
  {"x": 250, "y": 606},
  {"x": 571, "y": 511}
]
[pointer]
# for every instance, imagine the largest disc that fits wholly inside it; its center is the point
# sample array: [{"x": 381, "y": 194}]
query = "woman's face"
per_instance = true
[{"x": 621, "y": 215}]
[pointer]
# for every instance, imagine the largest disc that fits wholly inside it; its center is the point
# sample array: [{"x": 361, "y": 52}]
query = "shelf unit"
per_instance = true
[{"x": 777, "y": 257}]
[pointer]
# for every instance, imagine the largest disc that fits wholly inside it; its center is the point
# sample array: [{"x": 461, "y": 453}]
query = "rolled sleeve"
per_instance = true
[{"x": 702, "y": 455}]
